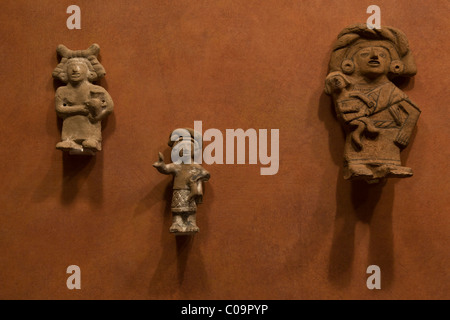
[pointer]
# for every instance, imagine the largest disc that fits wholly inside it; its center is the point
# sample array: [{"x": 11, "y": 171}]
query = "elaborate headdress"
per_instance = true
[
  {"x": 355, "y": 37},
  {"x": 88, "y": 56},
  {"x": 180, "y": 134}
]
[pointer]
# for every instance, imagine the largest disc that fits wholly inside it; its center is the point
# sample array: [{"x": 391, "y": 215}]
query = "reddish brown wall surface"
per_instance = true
[{"x": 304, "y": 233}]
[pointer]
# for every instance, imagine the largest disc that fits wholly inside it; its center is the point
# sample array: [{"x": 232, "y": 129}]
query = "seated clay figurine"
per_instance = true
[
  {"x": 378, "y": 117},
  {"x": 81, "y": 104},
  {"x": 188, "y": 179}
]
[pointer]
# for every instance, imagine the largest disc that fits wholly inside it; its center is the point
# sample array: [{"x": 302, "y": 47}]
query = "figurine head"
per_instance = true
[
  {"x": 80, "y": 63},
  {"x": 78, "y": 70},
  {"x": 186, "y": 145},
  {"x": 370, "y": 53}
]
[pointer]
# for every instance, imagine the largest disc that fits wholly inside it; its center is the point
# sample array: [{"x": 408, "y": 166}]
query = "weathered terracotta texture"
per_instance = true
[
  {"x": 378, "y": 117},
  {"x": 81, "y": 104},
  {"x": 188, "y": 177}
]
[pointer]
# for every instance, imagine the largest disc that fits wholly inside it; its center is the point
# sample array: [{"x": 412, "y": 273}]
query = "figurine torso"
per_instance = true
[
  {"x": 186, "y": 174},
  {"x": 78, "y": 126}
]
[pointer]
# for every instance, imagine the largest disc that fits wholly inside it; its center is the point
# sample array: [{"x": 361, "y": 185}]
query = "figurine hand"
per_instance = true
[
  {"x": 160, "y": 161},
  {"x": 85, "y": 111},
  {"x": 402, "y": 139}
]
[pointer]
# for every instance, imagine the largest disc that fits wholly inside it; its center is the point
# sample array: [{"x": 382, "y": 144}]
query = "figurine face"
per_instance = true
[
  {"x": 77, "y": 71},
  {"x": 186, "y": 146},
  {"x": 373, "y": 61}
]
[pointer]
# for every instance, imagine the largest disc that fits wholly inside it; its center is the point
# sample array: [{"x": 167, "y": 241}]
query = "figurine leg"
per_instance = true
[
  {"x": 183, "y": 223},
  {"x": 192, "y": 223},
  {"x": 178, "y": 225}
]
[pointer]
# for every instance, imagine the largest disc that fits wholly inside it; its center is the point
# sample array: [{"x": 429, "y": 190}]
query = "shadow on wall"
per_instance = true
[
  {"x": 180, "y": 269},
  {"x": 78, "y": 170},
  {"x": 357, "y": 202}
]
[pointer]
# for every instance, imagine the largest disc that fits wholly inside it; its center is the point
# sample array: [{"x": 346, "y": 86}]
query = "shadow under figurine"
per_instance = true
[
  {"x": 81, "y": 104},
  {"x": 378, "y": 117},
  {"x": 188, "y": 179}
]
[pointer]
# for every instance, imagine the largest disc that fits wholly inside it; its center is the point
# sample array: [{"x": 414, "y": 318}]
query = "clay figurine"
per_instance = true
[
  {"x": 188, "y": 179},
  {"x": 81, "y": 104},
  {"x": 378, "y": 117}
]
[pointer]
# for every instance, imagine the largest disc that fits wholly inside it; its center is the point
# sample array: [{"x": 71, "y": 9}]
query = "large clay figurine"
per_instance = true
[
  {"x": 188, "y": 177},
  {"x": 81, "y": 104},
  {"x": 378, "y": 117}
]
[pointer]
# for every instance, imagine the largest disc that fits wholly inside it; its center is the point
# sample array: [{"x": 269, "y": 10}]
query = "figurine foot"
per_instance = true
[
  {"x": 178, "y": 229},
  {"x": 92, "y": 144},
  {"x": 68, "y": 145},
  {"x": 375, "y": 173},
  {"x": 192, "y": 228},
  {"x": 175, "y": 228},
  {"x": 399, "y": 171},
  {"x": 357, "y": 171}
]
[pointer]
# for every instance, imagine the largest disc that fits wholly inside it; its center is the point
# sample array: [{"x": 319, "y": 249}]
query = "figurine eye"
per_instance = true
[
  {"x": 383, "y": 55},
  {"x": 364, "y": 54}
]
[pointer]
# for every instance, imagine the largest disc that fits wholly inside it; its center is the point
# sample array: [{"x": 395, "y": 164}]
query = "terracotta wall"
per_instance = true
[{"x": 304, "y": 233}]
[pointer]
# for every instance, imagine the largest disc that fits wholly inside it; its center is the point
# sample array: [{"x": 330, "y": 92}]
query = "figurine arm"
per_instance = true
[
  {"x": 363, "y": 98},
  {"x": 205, "y": 175},
  {"x": 408, "y": 125},
  {"x": 64, "y": 109},
  {"x": 163, "y": 167},
  {"x": 196, "y": 185}
]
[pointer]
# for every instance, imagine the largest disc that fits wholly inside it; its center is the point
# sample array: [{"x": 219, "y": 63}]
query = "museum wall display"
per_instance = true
[{"x": 260, "y": 83}]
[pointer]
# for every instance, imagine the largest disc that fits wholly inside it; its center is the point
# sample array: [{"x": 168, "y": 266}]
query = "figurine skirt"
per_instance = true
[
  {"x": 379, "y": 151},
  {"x": 80, "y": 128},
  {"x": 181, "y": 202}
]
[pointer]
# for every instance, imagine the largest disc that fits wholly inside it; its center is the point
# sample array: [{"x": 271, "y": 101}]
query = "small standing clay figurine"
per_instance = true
[
  {"x": 188, "y": 179},
  {"x": 378, "y": 117},
  {"x": 81, "y": 104}
]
